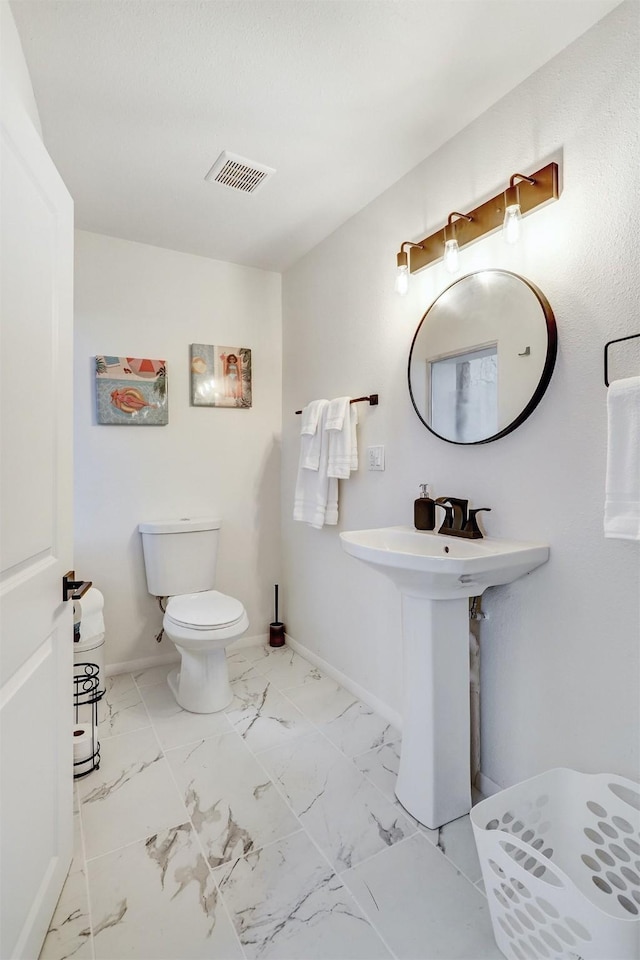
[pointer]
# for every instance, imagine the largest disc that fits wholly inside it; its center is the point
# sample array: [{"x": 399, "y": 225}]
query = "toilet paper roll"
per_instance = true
[
  {"x": 90, "y": 608},
  {"x": 84, "y": 743},
  {"x": 91, "y": 627}
]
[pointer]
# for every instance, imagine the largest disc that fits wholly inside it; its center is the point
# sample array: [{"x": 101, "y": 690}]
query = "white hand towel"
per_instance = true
[
  {"x": 316, "y": 495},
  {"x": 353, "y": 413},
  {"x": 337, "y": 413},
  {"x": 622, "y": 497},
  {"x": 311, "y": 437},
  {"x": 343, "y": 441},
  {"x": 310, "y": 416},
  {"x": 331, "y": 513}
]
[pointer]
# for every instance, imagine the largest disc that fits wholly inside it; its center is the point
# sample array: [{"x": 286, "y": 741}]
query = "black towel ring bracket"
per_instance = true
[{"x": 632, "y": 336}]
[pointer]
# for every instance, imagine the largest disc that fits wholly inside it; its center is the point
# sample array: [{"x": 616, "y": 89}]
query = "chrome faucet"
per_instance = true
[{"x": 459, "y": 521}]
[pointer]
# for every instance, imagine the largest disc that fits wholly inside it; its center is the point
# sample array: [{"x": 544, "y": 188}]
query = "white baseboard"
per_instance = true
[
  {"x": 372, "y": 701},
  {"x": 134, "y": 666},
  {"x": 486, "y": 786}
]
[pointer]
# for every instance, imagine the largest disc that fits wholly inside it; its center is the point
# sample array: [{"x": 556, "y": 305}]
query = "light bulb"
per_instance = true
[
  {"x": 402, "y": 273},
  {"x": 451, "y": 256},
  {"x": 511, "y": 223},
  {"x": 402, "y": 280}
]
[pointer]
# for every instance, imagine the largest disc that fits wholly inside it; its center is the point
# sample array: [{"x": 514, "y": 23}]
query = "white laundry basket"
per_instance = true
[{"x": 560, "y": 857}]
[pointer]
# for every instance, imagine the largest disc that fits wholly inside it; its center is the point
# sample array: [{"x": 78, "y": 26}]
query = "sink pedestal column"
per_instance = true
[{"x": 434, "y": 776}]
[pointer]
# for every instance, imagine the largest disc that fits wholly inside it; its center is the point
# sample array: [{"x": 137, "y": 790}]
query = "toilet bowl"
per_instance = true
[{"x": 202, "y": 625}]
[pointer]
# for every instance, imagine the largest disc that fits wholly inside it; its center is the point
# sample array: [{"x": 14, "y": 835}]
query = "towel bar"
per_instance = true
[{"x": 373, "y": 401}]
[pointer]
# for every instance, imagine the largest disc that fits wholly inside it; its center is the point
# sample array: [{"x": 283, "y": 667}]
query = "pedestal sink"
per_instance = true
[{"x": 436, "y": 575}]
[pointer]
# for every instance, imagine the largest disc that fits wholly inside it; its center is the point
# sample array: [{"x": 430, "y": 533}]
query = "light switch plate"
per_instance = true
[{"x": 375, "y": 458}]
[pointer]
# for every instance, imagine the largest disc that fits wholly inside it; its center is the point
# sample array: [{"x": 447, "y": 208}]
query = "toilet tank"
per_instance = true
[{"x": 180, "y": 555}]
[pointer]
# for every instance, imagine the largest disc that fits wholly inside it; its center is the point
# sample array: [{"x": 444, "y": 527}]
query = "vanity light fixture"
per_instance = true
[
  {"x": 503, "y": 210},
  {"x": 402, "y": 273},
  {"x": 512, "y": 211},
  {"x": 451, "y": 247}
]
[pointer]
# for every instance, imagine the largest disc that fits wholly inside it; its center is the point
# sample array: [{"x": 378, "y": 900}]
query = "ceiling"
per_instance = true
[{"x": 343, "y": 97}]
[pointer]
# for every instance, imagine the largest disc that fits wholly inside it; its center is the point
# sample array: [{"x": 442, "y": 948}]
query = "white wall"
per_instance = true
[
  {"x": 142, "y": 301},
  {"x": 560, "y": 680}
]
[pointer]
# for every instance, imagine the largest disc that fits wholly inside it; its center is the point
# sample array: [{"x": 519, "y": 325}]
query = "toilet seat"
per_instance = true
[{"x": 206, "y": 611}]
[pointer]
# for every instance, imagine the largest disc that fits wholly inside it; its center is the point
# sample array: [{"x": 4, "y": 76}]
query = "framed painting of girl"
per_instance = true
[{"x": 220, "y": 376}]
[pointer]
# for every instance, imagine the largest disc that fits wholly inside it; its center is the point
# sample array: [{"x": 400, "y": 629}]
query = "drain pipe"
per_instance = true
[{"x": 475, "y": 617}]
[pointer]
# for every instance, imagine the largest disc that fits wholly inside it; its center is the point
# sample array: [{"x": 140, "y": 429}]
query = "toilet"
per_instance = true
[{"x": 180, "y": 561}]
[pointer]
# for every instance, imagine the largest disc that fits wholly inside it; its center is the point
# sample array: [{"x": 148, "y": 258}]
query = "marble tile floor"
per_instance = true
[{"x": 268, "y": 830}]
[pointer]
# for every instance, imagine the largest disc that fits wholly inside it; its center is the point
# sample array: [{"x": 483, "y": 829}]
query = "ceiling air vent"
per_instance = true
[{"x": 239, "y": 173}]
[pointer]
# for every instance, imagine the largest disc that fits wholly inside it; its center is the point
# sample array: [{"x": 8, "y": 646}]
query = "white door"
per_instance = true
[{"x": 36, "y": 299}]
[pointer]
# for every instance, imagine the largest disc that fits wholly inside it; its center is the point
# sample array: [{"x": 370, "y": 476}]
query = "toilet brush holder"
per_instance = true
[
  {"x": 276, "y": 629},
  {"x": 276, "y": 634}
]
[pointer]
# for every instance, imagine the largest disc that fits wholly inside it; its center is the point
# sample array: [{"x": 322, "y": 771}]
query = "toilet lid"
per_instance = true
[{"x": 204, "y": 610}]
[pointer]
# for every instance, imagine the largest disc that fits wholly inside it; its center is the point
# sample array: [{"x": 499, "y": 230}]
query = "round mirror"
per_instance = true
[{"x": 482, "y": 357}]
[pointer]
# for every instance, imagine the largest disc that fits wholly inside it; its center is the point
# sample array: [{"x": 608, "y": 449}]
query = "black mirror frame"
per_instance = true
[{"x": 545, "y": 377}]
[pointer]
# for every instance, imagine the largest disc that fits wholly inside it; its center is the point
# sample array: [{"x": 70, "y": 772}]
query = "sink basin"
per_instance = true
[
  {"x": 439, "y": 567},
  {"x": 436, "y": 575}
]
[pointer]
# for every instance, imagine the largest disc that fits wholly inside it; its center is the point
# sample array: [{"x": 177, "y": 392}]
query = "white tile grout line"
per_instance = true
[
  {"x": 316, "y": 728},
  {"x": 278, "y": 787},
  {"x": 151, "y": 725},
  {"x": 302, "y": 828},
  {"x": 133, "y": 843},
  {"x": 193, "y": 829},
  {"x": 116, "y": 736},
  {"x": 85, "y": 870},
  {"x": 280, "y": 791},
  {"x": 110, "y": 736},
  {"x": 270, "y": 843},
  {"x": 367, "y": 912},
  {"x": 379, "y": 853},
  {"x": 140, "y": 839}
]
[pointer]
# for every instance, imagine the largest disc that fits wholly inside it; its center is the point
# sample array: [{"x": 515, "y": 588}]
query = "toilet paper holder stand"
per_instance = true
[
  {"x": 73, "y": 589},
  {"x": 86, "y": 695}
]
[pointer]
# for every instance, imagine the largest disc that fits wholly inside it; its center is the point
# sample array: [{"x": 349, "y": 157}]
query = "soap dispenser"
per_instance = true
[{"x": 424, "y": 510}]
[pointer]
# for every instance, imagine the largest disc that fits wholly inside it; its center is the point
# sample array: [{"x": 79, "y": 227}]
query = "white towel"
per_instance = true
[
  {"x": 311, "y": 437},
  {"x": 316, "y": 496},
  {"x": 622, "y": 497},
  {"x": 337, "y": 412},
  {"x": 331, "y": 513},
  {"x": 353, "y": 413},
  {"x": 343, "y": 439},
  {"x": 310, "y": 416}
]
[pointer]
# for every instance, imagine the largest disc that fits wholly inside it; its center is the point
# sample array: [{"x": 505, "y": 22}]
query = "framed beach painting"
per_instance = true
[
  {"x": 220, "y": 376},
  {"x": 131, "y": 391}
]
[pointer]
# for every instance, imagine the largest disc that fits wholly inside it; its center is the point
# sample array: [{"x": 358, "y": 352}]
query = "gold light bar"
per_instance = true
[{"x": 487, "y": 217}]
